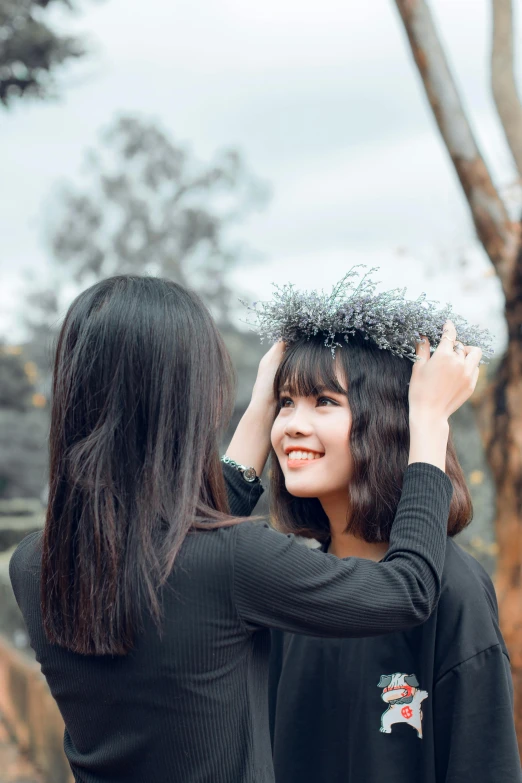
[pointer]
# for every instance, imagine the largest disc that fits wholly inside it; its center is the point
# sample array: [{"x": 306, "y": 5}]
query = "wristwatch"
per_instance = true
[{"x": 249, "y": 474}]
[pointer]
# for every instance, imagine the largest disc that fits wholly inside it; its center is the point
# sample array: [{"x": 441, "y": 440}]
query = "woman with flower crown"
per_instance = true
[
  {"x": 431, "y": 704},
  {"x": 147, "y": 603}
]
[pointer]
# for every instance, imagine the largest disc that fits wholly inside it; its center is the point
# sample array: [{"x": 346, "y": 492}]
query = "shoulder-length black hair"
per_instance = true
[
  {"x": 142, "y": 388},
  {"x": 377, "y": 391}
]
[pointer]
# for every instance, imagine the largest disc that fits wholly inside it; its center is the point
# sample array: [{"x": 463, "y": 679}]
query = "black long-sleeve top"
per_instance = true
[
  {"x": 332, "y": 718},
  {"x": 191, "y": 707}
]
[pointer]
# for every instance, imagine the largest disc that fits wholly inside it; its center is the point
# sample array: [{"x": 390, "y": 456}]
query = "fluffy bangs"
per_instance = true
[{"x": 307, "y": 369}]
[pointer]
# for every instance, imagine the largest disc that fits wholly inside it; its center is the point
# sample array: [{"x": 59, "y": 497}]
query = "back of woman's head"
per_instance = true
[
  {"x": 376, "y": 383},
  {"x": 142, "y": 388}
]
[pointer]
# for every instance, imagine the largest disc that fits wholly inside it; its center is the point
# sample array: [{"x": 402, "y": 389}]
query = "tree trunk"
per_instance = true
[
  {"x": 503, "y": 82},
  {"x": 500, "y": 416},
  {"x": 500, "y": 422},
  {"x": 494, "y": 228}
]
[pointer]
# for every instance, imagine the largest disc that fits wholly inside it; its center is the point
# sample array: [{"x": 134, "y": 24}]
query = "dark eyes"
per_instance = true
[
  {"x": 324, "y": 401},
  {"x": 321, "y": 402}
]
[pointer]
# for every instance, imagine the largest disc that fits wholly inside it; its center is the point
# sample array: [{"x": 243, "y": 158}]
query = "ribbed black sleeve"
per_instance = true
[
  {"x": 278, "y": 583},
  {"x": 190, "y": 705},
  {"x": 242, "y": 495}
]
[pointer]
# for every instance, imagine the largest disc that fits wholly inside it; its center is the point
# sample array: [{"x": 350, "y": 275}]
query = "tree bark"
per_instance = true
[
  {"x": 503, "y": 84},
  {"x": 497, "y": 233},
  {"x": 500, "y": 424},
  {"x": 500, "y": 415}
]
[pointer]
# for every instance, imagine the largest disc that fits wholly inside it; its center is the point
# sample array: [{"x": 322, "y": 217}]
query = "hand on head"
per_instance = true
[
  {"x": 442, "y": 382},
  {"x": 263, "y": 392},
  {"x": 251, "y": 442}
]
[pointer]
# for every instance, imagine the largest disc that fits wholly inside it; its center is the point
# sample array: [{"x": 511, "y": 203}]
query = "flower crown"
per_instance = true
[{"x": 388, "y": 319}]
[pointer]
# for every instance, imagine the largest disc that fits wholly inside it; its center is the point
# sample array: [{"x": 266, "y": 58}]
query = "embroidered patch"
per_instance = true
[{"x": 404, "y": 699}]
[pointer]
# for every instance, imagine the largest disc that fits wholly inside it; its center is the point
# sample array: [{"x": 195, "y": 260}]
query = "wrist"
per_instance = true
[
  {"x": 429, "y": 440},
  {"x": 250, "y": 444},
  {"x": 249, "y": 474},
  {"x": 427, "y": 420}
]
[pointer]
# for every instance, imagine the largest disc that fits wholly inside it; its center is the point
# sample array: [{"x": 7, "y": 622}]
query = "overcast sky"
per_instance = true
[{"x": 323, "y": 101}]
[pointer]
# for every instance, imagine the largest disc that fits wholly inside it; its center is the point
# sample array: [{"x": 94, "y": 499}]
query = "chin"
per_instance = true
[
  {"x": 301, "y": 489},
  {"x": 301, "y": 492}
]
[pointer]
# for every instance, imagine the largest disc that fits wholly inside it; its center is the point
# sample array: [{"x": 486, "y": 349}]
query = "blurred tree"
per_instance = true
[
  {"x": 153, "y": 209},
  {"x": 499, "y": 408},
  {"x": 30, "y": 50},
  {"x": 23, "y": 427},
  {"x": 42, "y": 317},
  {"x": 16, "y": 389}
]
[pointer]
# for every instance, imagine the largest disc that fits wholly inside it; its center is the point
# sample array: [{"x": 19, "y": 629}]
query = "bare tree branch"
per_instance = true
[
  {"x": 497, "y": 233},
  {"x": 500, "y": 411},
  {"x": 503, "y": 84}
]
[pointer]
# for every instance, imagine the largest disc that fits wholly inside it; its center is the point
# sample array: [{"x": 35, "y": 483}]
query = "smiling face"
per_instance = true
[
  {"x": 351, "y": 413},
  {"x": 311, "y": 434}
]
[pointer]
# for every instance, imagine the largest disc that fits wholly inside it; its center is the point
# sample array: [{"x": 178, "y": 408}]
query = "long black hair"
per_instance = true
[
  {"x": 142, "y": 389},
  {"x": 377, "y": 390}
]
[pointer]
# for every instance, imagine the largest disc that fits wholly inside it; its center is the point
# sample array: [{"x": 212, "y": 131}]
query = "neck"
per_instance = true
[{"x": 343, "y": 544}]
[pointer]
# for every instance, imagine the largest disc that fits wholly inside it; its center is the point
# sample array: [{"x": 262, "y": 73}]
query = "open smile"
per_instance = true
[{"x": 300, "y": 458}]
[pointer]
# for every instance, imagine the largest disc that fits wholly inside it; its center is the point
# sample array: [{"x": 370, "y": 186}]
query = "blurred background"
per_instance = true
[{"x": 229, "y": 146}]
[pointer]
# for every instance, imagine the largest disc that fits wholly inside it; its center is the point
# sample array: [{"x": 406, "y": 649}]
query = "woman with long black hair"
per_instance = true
[{"x": 147, "y": 601}]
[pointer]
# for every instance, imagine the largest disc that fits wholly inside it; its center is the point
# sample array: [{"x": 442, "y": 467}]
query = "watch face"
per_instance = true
[{"x": 249, "y": 474}]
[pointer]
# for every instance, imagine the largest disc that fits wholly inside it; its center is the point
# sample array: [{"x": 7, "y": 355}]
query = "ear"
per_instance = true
[
  {"x": 384, "y": 681},
  {"x": 410, "y": 679}
]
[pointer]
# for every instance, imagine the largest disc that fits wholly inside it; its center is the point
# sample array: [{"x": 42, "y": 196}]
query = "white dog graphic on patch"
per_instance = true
[{"x": 401, "y": 693}]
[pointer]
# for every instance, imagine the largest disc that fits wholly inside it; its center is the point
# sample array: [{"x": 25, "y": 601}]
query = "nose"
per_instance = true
[{"x": 298, "y": 424}]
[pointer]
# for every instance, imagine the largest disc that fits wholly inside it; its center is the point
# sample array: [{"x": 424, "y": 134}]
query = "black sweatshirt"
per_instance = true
[
  {"x": 192, "y": 707},
  {"x": 433, "y": 704}
]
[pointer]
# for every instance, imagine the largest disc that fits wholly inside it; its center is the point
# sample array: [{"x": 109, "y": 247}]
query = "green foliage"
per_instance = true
[{"x": 30, "y": 50}]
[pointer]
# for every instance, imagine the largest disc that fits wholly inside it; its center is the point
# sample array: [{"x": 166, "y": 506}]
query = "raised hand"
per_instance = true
[
  {"x": 250, "y": 445},
  {"x": 439, "y": 385},
  {"x": 442, "y": 382},
  {"x": 263, "y": 392}
]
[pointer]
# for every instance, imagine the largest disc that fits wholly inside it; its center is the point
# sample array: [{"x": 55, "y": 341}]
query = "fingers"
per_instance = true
[
  {"x": 472, "y": 356},
  {"x": 448, "y": 339},
  {"x": 422, "y": 350},
  {"x": 450, "y": 331},
  {"x": 278, "y": 348},
  {"x": 275, "y": 353},
  {"x": 450, "y": 345}
]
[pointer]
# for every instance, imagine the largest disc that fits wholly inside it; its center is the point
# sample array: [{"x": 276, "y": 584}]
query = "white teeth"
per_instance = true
[{"x": 304, "y": 455}]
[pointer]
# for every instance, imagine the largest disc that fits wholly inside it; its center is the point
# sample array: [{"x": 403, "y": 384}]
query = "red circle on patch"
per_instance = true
[{"x": 407, "y": 712}]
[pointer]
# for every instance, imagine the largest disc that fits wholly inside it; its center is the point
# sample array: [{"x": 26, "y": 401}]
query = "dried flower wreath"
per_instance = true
[{"x": 388, "y": 319}]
